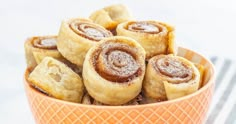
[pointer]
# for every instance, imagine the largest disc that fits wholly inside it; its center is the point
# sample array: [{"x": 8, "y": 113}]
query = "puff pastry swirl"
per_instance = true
[
  {"x": 110, "y": 16},
  {"x": 38, "y": 47},
  {"x": 76, "y": 36},
  {"x": 170, "y": 77},
  {"x": 114, "y": 69},
  {"x": 57, "y": 80},
  {"x": 155, "y": 37}
]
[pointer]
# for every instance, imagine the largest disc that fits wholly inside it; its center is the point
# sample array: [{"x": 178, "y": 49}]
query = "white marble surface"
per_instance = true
[{"x": 206, "y": 26}]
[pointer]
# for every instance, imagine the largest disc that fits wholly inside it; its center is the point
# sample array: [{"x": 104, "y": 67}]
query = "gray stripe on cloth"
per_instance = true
[
  {"x": 223, "y": 99},
  {"x": 222, "y": 73},
  {"x": 231, "y": 119}
]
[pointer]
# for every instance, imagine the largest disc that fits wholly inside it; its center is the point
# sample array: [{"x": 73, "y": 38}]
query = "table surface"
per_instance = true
[{"x": 206, "y": 26}]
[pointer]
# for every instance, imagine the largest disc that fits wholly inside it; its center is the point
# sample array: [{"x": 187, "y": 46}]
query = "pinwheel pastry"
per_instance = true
[
  {"x": 57, "y": 80},
  {"x": 155, "y": 37},
  {"x": 110, "y": 16},
  {"x": 36, "y": 48},
  {"x": 76, "y": 36},
  {"x": 170, "y": 77},
  {"x": 113, "y": 70}
]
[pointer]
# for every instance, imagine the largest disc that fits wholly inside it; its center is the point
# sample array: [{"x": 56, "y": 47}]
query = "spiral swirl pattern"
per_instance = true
[
  {"x": 174, "y": 68},
  {"x": 89, "y": 30},
  {"x": 117, "y": 62},
  {"x": 45, "y": 43},
  {"x": 145, "y": 27}
]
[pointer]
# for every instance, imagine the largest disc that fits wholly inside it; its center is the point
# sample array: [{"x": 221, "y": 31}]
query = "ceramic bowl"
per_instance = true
[{"x": 189, "y": 109}]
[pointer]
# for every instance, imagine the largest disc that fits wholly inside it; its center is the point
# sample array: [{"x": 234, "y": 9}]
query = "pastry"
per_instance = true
[
  {"x": 113, "y": 70},
  {"x": 87, "y": 99},
  {"x": 155, "y": 37},
  {"x": 170, "y": 77},
  {"x": 76, "y": 36},
  {"x": 136, "y": 101},
  {"x": 201, "y": 70},
  {"x": 57, "y": 80},
  {"x": 110, "y": 16},
  {"x": 36, "y": 48}
]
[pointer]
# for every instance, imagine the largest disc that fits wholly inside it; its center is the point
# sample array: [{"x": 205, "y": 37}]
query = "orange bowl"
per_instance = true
[{"x": 189, "y": 109}]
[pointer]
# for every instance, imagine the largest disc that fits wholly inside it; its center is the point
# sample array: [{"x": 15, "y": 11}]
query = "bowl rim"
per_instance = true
[{"x": 210, "y": 82}]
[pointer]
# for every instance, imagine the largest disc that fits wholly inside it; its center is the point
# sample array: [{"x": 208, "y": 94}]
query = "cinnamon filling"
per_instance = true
[
  {"x": 117, "y": 62},
  {"x": 174, "y": 68},
  {"x": 45, "y": 43},
  {"x": 89, "y": 31},
  {"x": 144, "y": 27}
]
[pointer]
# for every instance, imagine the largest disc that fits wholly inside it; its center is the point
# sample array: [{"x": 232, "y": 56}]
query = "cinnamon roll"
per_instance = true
[
  {"x": 155, "y": 37},
  {"x": 110, "y": 16},
  {"x": 170, "y": 77},
  {"x": 36, "y": 48},
  {"x": 113, "y": 70},
  {"x": 57, "y": 80},
  {"x": 76, "y": 36}
]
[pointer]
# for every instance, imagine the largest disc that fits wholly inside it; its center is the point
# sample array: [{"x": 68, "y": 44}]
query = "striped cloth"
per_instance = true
[{"x": 223, "y": 105}]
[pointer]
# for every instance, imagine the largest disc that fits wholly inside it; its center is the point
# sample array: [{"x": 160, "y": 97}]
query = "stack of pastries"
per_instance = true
[{"x": 111, "y": 59}]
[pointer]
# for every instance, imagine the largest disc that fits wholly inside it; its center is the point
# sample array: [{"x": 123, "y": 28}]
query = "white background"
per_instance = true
[{"x": 206, "y": 26}]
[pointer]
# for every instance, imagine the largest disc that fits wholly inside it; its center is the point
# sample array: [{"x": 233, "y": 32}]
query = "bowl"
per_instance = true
[{"x": 188, "y": 109}]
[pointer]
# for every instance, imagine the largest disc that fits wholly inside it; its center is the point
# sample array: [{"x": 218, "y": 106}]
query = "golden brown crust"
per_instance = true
[
  {"x": 201, "y": 70},
  {"x": 87, "y": 99},
  {"x": 110, "y": 16},
  {"x": 57, "y": 80},
  {"x": 118, "y": 79},
  {"x": 155, "y": 37},
  {"x": 76, "y": 36},
  {"x": 38, "y": 47},
  {"x": 170, "y": 77}
]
